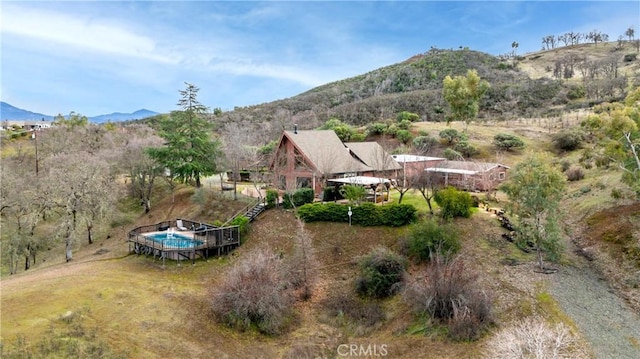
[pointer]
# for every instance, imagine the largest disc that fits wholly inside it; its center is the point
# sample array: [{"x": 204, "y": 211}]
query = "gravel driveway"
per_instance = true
[{"x": 606, "y": 321}]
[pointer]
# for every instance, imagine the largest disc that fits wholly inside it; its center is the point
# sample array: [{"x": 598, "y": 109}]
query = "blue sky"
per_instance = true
[{"x": 100, "y": 57}]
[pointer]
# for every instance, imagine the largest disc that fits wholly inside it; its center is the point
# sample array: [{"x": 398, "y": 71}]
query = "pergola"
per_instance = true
[{"x": 365, "y": 181}]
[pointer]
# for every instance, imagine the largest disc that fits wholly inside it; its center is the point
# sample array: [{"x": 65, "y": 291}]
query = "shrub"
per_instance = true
[
  {"x": 253, "y": 293},
  {"x": 298, "y": 198},
  {"x": 396, "y": 215},
  {"x": 366, "y": 214},
  {"x": 358, "y": 137},
  {"x": 353, "y": 193},
  {"x": 381, "y": 273},
  {"x": 405, "y": 125},
  {"x": 448, "y": 291},
  {"x": 574, "y": 173},
  {"x": 242, "y": 222},
  {"x": 404, "y": 136},
  {"x": 450, "y": 135},
  {"x": 376, "y": 128},
  {"x": 362, "y": 312},
  {"x": 565, "y": 165},
  {"x": 392, "y": 130},
  {"x": 532, "y": 338},
  {"x": 451, "y": 154},
  {"x": 453, "y": 203},
  {"x": 427, "y": 239},
  {"x": 465, "y": 148},
  {"x": 407, "y": 116},
  {"x": 331, "y": 194},
  {"x": 576, "y": 92},
  {"x": 568, "y": 140},
  {"x": 507, "y": 141},
  {"x": 424, "y": 143},
  {"x": 272, "y": 198}
]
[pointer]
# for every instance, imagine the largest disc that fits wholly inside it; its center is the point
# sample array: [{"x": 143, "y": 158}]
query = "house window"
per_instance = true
[
  {"x": 501, "y": 176},
  {"x": 303, "y": 182}
]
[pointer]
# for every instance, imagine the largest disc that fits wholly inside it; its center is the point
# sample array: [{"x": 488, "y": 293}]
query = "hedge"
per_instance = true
[{"x": 366, "y": 214}]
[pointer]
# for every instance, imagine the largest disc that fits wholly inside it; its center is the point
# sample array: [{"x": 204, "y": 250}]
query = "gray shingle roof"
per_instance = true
[
  {"x": 325, "y": 150},
  {"x": 373, "y": 155}
]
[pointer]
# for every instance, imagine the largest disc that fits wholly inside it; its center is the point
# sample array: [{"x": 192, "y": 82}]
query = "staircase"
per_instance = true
[{"x": 251, "y": 212}]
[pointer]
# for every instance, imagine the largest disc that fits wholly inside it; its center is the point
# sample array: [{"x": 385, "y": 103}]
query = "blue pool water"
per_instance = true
[{"x": 174, "y": 240}]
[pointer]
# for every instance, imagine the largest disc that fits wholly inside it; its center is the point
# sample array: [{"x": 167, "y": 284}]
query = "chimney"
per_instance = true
[{"x": 295, "y": 129}]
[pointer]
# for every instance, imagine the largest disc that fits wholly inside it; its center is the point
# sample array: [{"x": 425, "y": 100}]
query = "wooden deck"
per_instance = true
[{"x": 208, "y": 240}]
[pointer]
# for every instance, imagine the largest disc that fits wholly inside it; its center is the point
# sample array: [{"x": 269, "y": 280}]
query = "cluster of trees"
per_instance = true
[
  {"x": 66, "y": 182},
  {"x": 574, "y": 38}
]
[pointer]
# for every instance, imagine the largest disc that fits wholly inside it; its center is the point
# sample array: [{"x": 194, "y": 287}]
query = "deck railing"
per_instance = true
[{"x": 210, "y": 235}]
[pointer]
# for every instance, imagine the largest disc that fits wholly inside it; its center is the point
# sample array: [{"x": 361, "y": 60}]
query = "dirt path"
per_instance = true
[{"x": 607, "y": 322}]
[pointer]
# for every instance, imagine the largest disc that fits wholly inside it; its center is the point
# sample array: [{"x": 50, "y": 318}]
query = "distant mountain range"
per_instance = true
[{"x": 8, "y": 112}]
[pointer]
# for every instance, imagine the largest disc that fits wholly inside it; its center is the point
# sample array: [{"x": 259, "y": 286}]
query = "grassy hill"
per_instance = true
[{"x": 106, "y": 301}]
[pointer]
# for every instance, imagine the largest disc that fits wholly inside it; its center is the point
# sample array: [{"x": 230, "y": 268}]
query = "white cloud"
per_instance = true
[{"x": 80, "y": 33}]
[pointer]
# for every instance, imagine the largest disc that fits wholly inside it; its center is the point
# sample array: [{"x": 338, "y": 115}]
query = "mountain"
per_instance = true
[
  {"x": 541, "y": 84},
  {"x": 9, "y": 112},
  {"x": 119, "y": 116}
]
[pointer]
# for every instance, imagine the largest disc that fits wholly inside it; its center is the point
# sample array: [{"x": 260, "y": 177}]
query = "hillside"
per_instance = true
[
  {"x": 136, "y": 307},
  {"x": 524, "y": 86}
]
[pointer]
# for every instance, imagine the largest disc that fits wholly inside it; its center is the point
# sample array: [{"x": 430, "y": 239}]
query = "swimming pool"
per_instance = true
[{"x": 172, "y": 239}]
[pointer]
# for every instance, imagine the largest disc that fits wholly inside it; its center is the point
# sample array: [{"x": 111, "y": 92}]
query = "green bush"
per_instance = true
[
  {"x": 451, "y": 154},
  {"x": 272, "y": 198},
  {"x": 397, "y": 215},
  {"x": 366, "y": 214},
  {"x": 404, "y": 136},
  {"x": 450, "y": 135},
  {"x": 424, "y": 142},
  {"x": 427, "y": 239},
  {"x": 376, "y": 128},
  {"x": 298, "y": 198},
  {"x": 358, "y": 137},
  {"x": 353, "y": 193},
  {"x": 507, "y": 141},
  {"x": 465, "y": 148},
  {"x": 568, "y": 140},
  {"x": 453, "y": 203},
  {"x": 331, "y": 194},
  {"x": 407, "y": 116},
  {"x": 381, "y": 273},
  {"x": 242, "y": 222}
]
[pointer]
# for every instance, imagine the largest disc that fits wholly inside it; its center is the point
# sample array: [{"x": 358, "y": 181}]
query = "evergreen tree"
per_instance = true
[{"x": 189, "y": 152}]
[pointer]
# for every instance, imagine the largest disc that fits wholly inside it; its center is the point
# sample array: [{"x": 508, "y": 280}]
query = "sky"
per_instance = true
[{"x": 99, "y": 57}]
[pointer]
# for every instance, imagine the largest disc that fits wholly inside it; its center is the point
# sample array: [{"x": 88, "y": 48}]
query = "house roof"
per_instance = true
[
  {"x": 373, "y": 155},
  {"x": 464, "y": 167},
  {"x": 325, "y": 150}
]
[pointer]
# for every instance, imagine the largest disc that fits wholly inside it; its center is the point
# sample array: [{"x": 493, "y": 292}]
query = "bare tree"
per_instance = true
[
  {"x": 238, "y": 149},
  {"x": 428, "y": 184},
  {"x": 302, "y": 266},
  {"x": 142, "y": 170},
  {"x": 630, "y": 33}
]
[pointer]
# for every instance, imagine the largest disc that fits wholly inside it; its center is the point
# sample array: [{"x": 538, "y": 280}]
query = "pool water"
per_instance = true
[{"x": 174, "y": 240}]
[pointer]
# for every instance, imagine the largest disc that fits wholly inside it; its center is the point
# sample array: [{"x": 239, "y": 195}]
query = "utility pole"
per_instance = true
[{"x": 35, "y": 140}]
